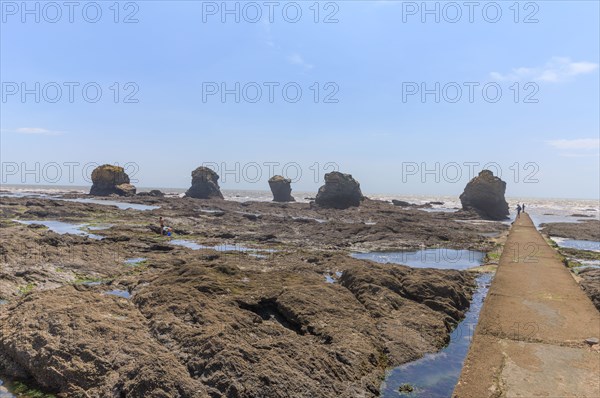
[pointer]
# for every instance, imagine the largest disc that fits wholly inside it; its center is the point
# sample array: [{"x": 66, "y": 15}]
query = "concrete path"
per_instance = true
[{"x": 530, "y": 339}]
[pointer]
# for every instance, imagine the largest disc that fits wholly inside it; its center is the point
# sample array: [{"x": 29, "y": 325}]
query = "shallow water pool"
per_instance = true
[
  {"x": 135, "y": 260},
  {"x": 436, "y": 375},
  {"x": 120, "y": 293},
  {"x": 578, "y": 244},
  {"x": 62, "y": 228},
  {"x": 120, "y": 205},
  {"x": 220, "y": 248},
  {"x": 428, "y": 258}
]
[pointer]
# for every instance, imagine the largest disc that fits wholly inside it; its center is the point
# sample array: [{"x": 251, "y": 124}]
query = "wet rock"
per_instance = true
[
  {"x": 71, "y": 349},
  {"x": 125, "y": 190},
  {"x": 281, "y": 189},
  {"x": 340, "y": 191},
  {"x": 108, "y": 180},
  {"x": 591, "y": 284},
  {"x": 400, "y": 203},
  {"x": 154, "y": 193},
  {"x": 405, "y": 388},
  {"x": 587, "y": 230},
  {"x": 485, "y": 195},
  {"x": 204, "y": 184}
]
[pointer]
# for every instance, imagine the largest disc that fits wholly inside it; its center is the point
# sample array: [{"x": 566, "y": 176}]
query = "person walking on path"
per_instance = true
[
  {"x": 518, "y": 211},
  {"x": 523, "y": 207}
]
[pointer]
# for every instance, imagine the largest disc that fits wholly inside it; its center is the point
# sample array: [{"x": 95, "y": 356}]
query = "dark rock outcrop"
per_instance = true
[
  {"x": 339, "y": 192},
  {"x": 590, "y": 284},
  {"x": 85, "y": 344},
  {"x": 485, "y": 195},
  {"x": 205, "y": 184},
  {"x": 111, "y": 180},
  {"x": 154, "y": 193},
  {"x": 401, "y": 203},
  {"x": 281, "y": 189},
  {"x": 587, "y": 230}
]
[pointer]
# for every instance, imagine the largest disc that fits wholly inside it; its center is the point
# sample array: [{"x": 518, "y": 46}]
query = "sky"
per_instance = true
[{"x": 408, "y": 97}]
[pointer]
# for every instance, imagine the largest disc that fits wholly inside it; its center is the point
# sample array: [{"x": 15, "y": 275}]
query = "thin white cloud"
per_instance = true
[
  {"x": 37, "y": 131},
  {"x": 576, "y": 144},
  {"x": 558, "y": 69},
  {"x": 296, "y": 59}
]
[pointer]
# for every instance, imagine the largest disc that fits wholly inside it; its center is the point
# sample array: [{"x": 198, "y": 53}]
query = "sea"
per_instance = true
[{"x": 541, "y": 210}]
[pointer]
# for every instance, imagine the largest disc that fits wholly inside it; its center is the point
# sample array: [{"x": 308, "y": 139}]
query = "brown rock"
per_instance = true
[
  {"x": 339, "y": 192},
  {"x": 204, "y": 184},
  {"x": 281, "y": 189},
  {"x": 108, "y": 180},
  {"x": 485, "y": 195}
]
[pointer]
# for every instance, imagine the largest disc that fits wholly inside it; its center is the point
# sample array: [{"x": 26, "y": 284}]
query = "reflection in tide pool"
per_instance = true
[
  {"x": 578, "y": 244},
  {"x": 135, "y": 260},
  {"x": 120, "y": 293},
  {"x": 62, "y": 228},
  {"x": 220, "y": 248},
  {"x": 120, "y": 205},
  {"x": 436, "y": 375},
  {"x": 428, "y": 258}
]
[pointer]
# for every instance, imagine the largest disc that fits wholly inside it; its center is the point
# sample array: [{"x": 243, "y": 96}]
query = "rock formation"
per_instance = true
[
  {"x": 281, "y": 189},
  {"x": 485, "y": 195},
  {"x": 155, "y": 193},
  {"x": 111, "y": 180},
  {"x": 205, "y": 184},
  {"x": 590, "y": 283},
  {"x": 339, "y": 192}
]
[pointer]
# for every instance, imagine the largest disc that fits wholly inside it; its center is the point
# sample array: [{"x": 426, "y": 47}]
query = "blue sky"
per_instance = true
[{"x": 372, "y": 125}]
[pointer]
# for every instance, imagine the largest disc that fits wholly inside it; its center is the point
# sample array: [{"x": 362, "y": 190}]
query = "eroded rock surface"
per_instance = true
[
  {"x": 590, "y": 283},
  {"x": 281, "y": 188},
  {"x": 339, "y": 192},
  {"x": 586, "y": 230},
  {"x": 205, "y": 184},
  {"x": 485, "y": 195},
  {"x": 220, "y": 324},
  {"x": 111, "y": 180},
  {"x": 218, "y": 327}
]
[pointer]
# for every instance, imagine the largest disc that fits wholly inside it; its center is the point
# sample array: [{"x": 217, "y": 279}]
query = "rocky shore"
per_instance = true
[
  {"x": 249, "y": 313},
  {"x": 584, "y": 230}
]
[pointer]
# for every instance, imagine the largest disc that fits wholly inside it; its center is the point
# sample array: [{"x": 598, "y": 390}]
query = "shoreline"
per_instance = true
[{"x": 297, "y": 247}]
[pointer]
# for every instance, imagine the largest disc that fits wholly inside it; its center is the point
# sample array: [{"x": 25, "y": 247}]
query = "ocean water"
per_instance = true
[{"x": 540, "y": 210}]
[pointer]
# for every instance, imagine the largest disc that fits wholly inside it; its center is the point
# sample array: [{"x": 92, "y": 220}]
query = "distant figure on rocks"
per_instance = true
[
  {"x": 518, "y": 211},
  {"x": 162, "y": 226},
  {"x": 523, "y": 207}
]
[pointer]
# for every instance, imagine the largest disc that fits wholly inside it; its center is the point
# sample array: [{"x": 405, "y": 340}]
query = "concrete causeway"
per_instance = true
[{"x": 530, "y": 339}]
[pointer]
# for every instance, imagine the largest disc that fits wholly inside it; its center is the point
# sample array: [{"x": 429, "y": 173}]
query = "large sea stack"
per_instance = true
[
  {"x": 485, "y": 195},
  {"x": 339, "y": 192},
  {"x": 281, "y": 189},
  {"x": 111, "y": 180},
  {"x": 205, "y": 184}
]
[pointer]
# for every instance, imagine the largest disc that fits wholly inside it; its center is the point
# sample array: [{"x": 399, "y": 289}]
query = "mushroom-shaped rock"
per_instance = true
[
  {"x": 108, "y": 180},
  {"x": 205, "y": 184},
  {"x": 339, "y": 192},
  {"x": 281, "y": 189},
  {"x": 485, "y": 195}
]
